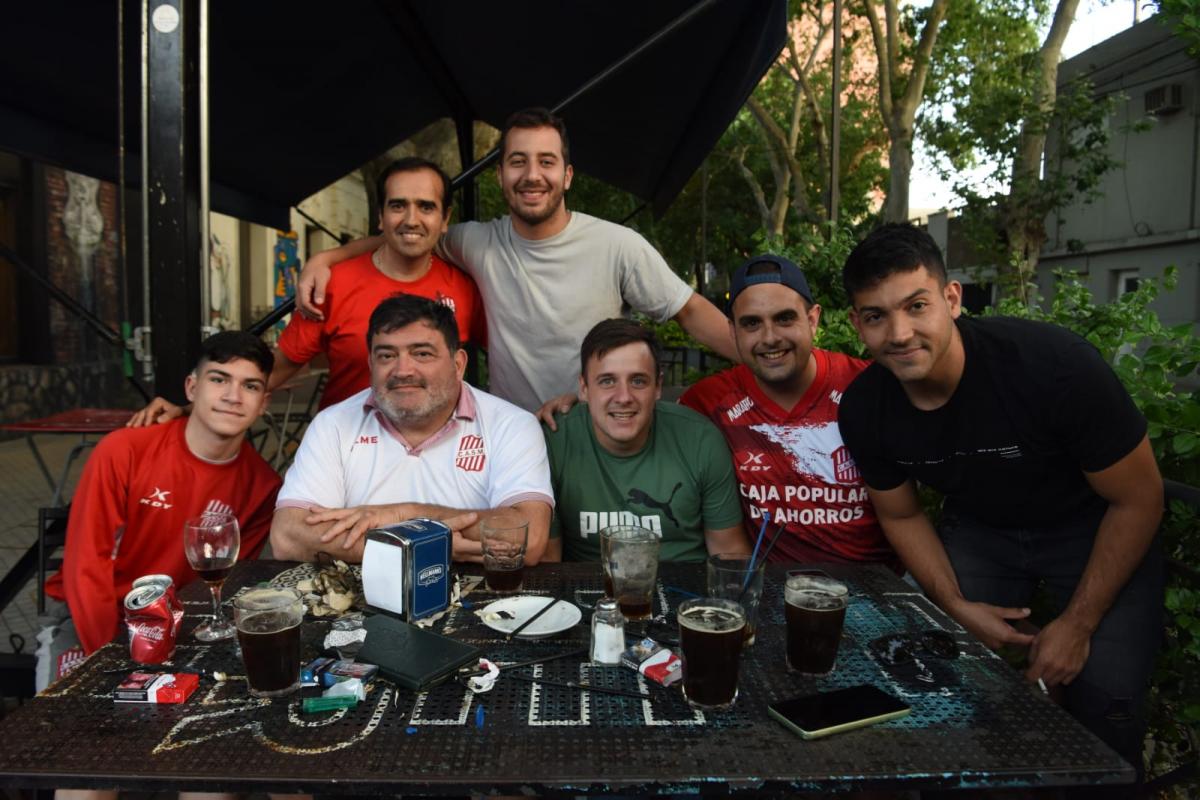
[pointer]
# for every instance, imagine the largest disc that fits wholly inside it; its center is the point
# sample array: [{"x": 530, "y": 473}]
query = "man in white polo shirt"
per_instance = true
[{"x": 420, "y": 442}]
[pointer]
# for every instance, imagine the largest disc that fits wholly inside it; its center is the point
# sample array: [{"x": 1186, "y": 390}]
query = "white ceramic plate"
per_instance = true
[{"x": 563, "y": 616}]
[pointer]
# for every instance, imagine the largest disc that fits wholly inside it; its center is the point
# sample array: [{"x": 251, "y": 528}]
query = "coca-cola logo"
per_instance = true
[{"x": 147, "y": 630}]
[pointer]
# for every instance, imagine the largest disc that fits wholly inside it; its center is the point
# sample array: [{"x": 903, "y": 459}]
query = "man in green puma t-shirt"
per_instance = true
[{"x": 623, "y": 457}]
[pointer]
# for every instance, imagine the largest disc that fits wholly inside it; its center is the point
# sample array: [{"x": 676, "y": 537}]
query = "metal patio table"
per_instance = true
[{"x": 974, "y": 722}]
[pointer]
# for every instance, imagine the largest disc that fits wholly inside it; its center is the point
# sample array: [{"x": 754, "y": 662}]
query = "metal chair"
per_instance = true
[
  {"x": 52, "y": 535},
  {"x": 293, "y": 424}
]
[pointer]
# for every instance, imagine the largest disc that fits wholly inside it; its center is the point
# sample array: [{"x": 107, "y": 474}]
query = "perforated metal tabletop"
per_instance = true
[{"x": 975, "y": 725}]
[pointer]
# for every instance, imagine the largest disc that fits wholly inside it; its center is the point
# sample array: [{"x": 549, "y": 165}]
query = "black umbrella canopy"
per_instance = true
[{"x": 302, "y": 95}]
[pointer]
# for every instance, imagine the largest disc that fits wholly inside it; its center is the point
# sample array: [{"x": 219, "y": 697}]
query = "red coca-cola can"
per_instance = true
[
  {"x": 172, "y": 597},
  {"x": 152, "y": 624}
]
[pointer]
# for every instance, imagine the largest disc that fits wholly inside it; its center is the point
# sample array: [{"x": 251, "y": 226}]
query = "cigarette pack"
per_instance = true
[
  {"x": 654, "y": 661},
  {"x": 310, "y": 675},
  {"x": 339, "y": 671},
  {"x": 156, "y": 687}
]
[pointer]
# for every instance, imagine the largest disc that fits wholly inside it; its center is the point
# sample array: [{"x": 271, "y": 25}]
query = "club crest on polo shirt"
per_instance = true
[{"x": 471, "y": 454}]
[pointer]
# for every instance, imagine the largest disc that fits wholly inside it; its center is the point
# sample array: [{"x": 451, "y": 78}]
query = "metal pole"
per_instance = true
[
  {"x": 172, "y": 192},
  {"x": 144, "y": 97},
  {"x": 835, "y": 148},
  {"x": 205, "y": 222}
]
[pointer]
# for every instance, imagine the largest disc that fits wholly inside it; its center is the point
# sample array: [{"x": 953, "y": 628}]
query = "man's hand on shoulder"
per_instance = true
[
  {"x": 157, "y": 411},
  {"x": 561, "y": 404},
  {"x": 310, "y": 289},
  {"x": 989, "y": 623}
]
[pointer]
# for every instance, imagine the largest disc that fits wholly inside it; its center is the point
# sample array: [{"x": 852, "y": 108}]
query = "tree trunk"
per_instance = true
[
  {"x": 898, "y": 106},
  {"x": 900, "y": 161},
  {"x": 1024, "y": 219}
]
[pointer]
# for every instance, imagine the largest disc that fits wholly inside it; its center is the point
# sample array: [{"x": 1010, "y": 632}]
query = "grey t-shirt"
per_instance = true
[{"x": 542, "y": 297}]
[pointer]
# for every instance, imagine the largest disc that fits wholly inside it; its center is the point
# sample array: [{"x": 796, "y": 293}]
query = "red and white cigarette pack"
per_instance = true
[
  {"x": 654, "y": 661},
  {"x": 156, "y": 687}
]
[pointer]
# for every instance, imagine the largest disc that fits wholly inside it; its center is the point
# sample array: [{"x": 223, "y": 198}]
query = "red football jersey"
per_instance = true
[
  {"x": 794, "y": 463},
  {"x": 355, "y": 288}
]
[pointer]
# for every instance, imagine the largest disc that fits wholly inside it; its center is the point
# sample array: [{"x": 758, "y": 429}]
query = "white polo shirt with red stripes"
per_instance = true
[{"x": 490, "y": 454}]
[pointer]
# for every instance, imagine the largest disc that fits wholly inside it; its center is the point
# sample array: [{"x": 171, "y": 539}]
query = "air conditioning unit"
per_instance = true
[{"x": 1164, "y": 100}]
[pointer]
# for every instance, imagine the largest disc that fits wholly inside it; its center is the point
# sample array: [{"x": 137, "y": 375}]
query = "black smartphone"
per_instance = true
[{"x": 821, "y": 714}]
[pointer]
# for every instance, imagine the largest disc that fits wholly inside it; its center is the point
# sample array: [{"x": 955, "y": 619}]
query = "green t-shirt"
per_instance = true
[{"x": 679, "y": 485}]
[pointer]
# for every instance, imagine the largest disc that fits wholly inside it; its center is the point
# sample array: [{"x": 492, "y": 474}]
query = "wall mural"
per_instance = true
[
  {"x": 287, "y": 268},
  {"x": 220, "y": 291}
]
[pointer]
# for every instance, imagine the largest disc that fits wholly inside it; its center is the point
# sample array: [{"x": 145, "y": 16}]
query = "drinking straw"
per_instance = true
[
  {"x": 750, "y": 570},
  {"x": 757, "y": 544},
  {"x": 771, "y": 544},
  {"x": 553, "y": 602}
]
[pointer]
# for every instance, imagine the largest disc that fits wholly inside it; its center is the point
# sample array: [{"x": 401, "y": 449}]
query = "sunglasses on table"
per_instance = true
[{"x": 895, "y": 649}]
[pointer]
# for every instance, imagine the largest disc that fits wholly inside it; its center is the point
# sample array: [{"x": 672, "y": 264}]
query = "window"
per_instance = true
[{"x": 1125, "y": 281}]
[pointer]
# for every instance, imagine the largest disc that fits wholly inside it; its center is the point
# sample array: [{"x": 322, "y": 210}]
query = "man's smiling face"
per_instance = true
[
  {"x": 533, "y": 174},
  {"x": 773, "y": 331},
  {"x": 621, "y": 388},
  {"x": 412, "y": 217}
]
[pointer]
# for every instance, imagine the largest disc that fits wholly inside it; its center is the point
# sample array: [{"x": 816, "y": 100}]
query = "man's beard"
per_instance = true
[
  {"x": 554, "y": 202},
  {"x": 437, "y": 402}
]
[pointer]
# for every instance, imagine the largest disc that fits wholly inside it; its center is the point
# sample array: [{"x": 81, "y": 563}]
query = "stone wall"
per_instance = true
[{"x": 28, "y": 392}]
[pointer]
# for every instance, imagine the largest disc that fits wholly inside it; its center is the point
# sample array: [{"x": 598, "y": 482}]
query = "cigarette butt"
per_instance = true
[{"x": 1042, "y": 686}]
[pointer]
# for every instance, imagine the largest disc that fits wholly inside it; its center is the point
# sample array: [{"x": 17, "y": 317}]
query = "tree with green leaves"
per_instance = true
[
  {"x": 780, "y": 143},
  {"x": 995, "y": 103},
  {"x": 904, "y": 45},
  {"x": 1184, "y": 17}
]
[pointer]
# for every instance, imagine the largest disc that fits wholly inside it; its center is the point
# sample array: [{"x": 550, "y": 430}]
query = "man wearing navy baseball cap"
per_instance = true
[{"x": 778, "y": 411}]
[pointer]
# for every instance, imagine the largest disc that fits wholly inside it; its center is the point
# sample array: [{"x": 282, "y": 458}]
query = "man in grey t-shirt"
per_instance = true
[{"x": 546, "y": 274}]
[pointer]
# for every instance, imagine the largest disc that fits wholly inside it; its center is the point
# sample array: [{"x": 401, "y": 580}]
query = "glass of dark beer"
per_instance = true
[
  {"x": 268, "y": 630},
  {"x": 504, "y": 538},
  {"x": 711, "y": 633},
  {"x": 629, "y": 556},
  {"x": 815, "y": 607}
]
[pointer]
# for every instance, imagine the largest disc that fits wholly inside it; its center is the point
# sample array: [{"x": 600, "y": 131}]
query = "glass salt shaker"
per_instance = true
[{"x": 608, "y": 633}]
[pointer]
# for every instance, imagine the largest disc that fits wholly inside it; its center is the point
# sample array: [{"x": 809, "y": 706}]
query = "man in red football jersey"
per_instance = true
[{"x": 778, "y": 411}]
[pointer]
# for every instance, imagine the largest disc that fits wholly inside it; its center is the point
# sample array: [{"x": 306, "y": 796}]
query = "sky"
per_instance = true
[{"x": 1094, "y": 23}]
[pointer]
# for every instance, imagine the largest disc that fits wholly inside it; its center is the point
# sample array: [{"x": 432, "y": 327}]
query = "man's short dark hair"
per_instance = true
[
  {"x": 607, "y": 335},
  {"x": 536, "y": 118},
  {"x": 891, "y": 248},
  {"x": 225, "y": 346},
  {"x": 413, "y": 164},
  {"x": 401, "y": 310}
]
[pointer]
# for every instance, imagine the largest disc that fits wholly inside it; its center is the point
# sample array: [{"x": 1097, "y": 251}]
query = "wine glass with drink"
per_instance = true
[{"x": 211, "y": 542}]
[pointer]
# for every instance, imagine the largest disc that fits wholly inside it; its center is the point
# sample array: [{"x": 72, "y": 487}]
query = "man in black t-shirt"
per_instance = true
[{"x": 1045, "y": 466}]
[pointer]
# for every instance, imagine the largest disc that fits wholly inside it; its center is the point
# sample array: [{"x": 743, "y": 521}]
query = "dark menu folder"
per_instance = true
[{"x": 410, "y": 656}]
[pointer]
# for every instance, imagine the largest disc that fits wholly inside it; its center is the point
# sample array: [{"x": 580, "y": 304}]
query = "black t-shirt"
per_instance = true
[{"x": 1035, "y": 408}]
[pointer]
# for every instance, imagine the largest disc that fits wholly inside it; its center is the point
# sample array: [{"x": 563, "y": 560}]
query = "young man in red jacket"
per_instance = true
[{"x": 140, "y": 484}]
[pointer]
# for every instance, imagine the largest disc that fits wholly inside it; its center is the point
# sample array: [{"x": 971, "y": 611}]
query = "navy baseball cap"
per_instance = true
[{"x": 788, "y": 275}]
